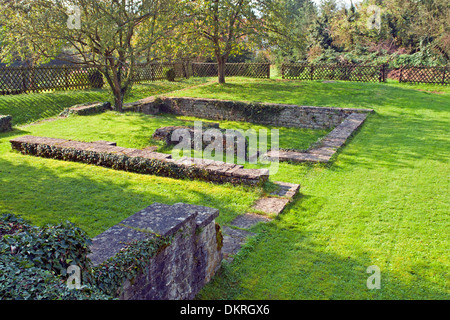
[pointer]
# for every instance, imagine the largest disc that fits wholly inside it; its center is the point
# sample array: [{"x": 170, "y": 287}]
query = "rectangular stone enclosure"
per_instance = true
[{"x": 345, "y": 121}]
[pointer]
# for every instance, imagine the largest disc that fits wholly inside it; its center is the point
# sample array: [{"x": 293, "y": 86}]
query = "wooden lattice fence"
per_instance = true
[
  {"x": 349, "y": 72},
  {"x": 365, "y": 73},
  {"x": 157, "y": 71},
  {"x": 15, "y": 80},
  {"x": 436, "y": 75},
  {"x": 250, "y": 70}
]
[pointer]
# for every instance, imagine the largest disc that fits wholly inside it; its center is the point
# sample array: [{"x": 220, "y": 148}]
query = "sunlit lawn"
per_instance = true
[{"x": 383, "y": 201}]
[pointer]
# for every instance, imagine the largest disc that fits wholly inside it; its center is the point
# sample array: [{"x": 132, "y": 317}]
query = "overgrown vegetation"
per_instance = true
[
  {"x": 396, "y": 32},
  {"x": 109, "y": 277},
  {"x": 34, "y": 261}
]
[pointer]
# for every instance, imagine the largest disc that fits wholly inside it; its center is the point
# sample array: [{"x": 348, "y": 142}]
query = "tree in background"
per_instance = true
[
  {"x": 410, "y": 32},
  {"x": 320, "y": 36},
  {"x": 421, "y": 25},
  {"x": 224, "y": 27},
  {"x": 109, "y": 35},
  {"x": 288, "y": 36}
]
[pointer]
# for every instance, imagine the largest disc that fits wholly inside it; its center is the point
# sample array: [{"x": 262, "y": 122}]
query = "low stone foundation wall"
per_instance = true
[
  {"x": 86, "y": 109},
  {"x": 324, "y": 150},
  {"x": 5, "y": 123},
  {"x": 106, "y": 154},
  {"x": 279, "y": 115},
  {"x": 177, "y": 270}
]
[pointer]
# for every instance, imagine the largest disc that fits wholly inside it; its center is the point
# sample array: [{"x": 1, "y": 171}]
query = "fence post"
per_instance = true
[
  {"x": 443, "y": 75},
  {"x": 24, "y": 81},
  {"x": 312, "y": 72},
  {"x": 66, "y": 77},
  {"x": 268, "y": 71},
  {"x": 401, "y": 73},
  {"x": 186, "y": 69},
  {"x": 386, "y": 70},
  {"x": 383, "y": 73},
  {"x": 282, "y": 71}
]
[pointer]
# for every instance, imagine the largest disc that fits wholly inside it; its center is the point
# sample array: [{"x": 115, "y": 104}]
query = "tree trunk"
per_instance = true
[
  {"x": 118, "y": 101},
  {"x": 221, "y": 69},
  {"x": 119, "y": 95}
]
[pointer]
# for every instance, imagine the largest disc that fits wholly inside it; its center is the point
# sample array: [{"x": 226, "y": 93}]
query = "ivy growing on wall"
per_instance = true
[{"x": 127, "y": 264}]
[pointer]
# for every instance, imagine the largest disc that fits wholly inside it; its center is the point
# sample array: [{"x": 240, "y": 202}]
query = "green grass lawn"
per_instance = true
[
  {"x": 51, "y": 191},
  {"x": 384, "y": 201},
  {"x": 27, "y": 108}
]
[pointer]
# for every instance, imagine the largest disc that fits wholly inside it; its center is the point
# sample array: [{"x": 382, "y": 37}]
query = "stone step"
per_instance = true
[
  {"x": 233, "y": 240},
  {"x": 236, "y": 234},
  {"x": 248, "y": 220},
  {"x": 271, "y": 205},
  {"x": 288, "y": 190}
]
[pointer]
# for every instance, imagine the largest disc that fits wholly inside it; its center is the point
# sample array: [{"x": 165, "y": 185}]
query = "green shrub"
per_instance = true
[
  {"x": 10, "y": 224},
  {"x": 53, "y": 247},
  {"x": 34, "y": 261},
  {"x": 170, "y": 74},
  {"x": 20, "y": 279},
  {"x": 95, "y": 79}
]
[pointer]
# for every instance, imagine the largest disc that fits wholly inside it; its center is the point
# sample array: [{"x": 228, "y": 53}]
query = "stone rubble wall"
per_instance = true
[
  {"x": 279, "y": 115},
  {"x": 86, "y": 109},
  {"x": 141, "y": 161},
  {"x": 230, "y": 141},
  {"x": 177, "y": 271}
]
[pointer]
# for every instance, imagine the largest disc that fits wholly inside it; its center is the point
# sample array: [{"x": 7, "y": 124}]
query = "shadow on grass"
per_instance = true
[
  {"x": 26, "y": 108},
  {"x": 96, "y": 198},
  {"x": 281, "y": 264},
  {"x": 14, "y": 132}
]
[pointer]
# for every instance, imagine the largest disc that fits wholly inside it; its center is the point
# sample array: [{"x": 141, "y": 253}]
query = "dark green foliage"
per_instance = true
[
  {"x": 20, "y": 279},
  {"x": 33, "y": 260},
  {"x": 10, "y": 223},
  {"x": 95, "y": 78},
  {"x": 170, "y": 74},
  {"x": 54, "y": 247}
]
